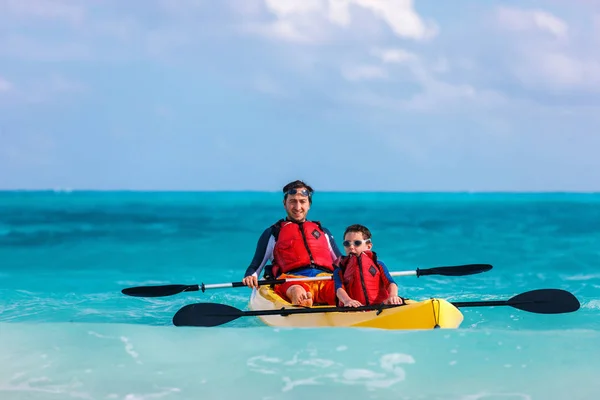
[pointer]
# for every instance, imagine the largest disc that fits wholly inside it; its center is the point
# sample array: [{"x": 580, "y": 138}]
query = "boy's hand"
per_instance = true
[
  {"x": 394, "y": 300},
  {"x": 352, "y": 303}
]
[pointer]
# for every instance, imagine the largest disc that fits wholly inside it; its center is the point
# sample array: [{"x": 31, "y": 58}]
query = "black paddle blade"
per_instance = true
[
  {"x": 206, "y": 314},
  {"x": 459, "y": 270},
  {"x": 545, "y": 301},
  {"x": 159, "y": 291}
]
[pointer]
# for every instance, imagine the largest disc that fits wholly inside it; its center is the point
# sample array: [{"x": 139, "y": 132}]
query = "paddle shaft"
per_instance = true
[
  {"x": 172, "y": 289},
  {"x": 486, "y": 303},
  {"x": 379, "y": 307},
  {"x": 203, "y": 287}
]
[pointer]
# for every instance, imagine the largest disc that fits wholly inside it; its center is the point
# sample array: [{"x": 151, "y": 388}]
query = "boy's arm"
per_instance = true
[
  {"x": 340, "y": 292},
  {"x": 391, "y": 285},
  {"x": 386, "y": 273},
  {"x": 343, "y": 296}
]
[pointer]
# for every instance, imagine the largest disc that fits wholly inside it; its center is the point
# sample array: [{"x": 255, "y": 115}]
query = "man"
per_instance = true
[{"x": 297, "y": 248}]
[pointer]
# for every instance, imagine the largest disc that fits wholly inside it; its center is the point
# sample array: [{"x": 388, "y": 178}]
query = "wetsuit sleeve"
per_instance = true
[
  {"x": 337, "y": 278},
  {"x": 263, "y": 253},
  {"x": 386, "y": 273},
  {"x": 335, "y": 251}
]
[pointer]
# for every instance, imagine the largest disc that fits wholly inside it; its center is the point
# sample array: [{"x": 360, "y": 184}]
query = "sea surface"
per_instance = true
[{"x": 67, "y": 331}]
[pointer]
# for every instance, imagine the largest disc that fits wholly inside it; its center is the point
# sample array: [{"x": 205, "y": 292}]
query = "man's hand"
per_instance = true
[{"x": 251, "y": 281}]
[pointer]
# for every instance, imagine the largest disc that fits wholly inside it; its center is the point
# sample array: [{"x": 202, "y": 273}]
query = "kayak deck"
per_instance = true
[{"x": 426, "y": 314}]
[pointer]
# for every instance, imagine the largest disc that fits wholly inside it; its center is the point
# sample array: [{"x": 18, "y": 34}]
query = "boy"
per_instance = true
[{"x": 360, "y": 279}]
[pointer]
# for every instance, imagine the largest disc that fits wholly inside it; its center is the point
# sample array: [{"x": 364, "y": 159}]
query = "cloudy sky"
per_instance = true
[{"x": 347, "y": 94}]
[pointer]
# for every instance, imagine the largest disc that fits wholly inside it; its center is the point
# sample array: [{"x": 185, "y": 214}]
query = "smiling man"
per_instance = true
[{"x": 296, "y": 248}]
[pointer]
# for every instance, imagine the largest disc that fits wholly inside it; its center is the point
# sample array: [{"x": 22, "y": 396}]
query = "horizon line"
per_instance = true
[{"x": 497, "y": 191}]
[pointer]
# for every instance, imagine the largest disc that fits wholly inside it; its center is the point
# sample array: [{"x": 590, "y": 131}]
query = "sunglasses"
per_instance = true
[
  {"x": 356, "y": 243},
  {"x": 303, "y": 192}
]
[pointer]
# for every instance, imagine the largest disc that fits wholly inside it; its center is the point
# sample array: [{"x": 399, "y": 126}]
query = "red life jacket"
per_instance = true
[
  {"x": 363, "y": 278},
  {"x": 300, "y": 245}
]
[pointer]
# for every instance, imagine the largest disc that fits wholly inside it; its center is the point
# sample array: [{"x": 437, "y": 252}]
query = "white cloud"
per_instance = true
[
  {"x": 281, "y": 30},
  {"x": 527, "y": 20},
  {"x": 400, "y": 16},
  {"x": 69, "y": 11},
  {"x": 315, "y": 20},
  {"x": 552, "y": 24},
  {"x": 363, "y": 72},
  {"x": 52, "y": 88},
  {"x": 268, "y": 85},
  {"x": 542, "y": 62},
  {"x": 339, "y": 12},
  {"x": 559, "y": 70},
  {"x": 5, "y": 86},
  {"x": 397, "y": 56},
  {"x": 182, "y": 7},
  {"x": 42, "y": 49},
  {"x": 284, "y": 8}
]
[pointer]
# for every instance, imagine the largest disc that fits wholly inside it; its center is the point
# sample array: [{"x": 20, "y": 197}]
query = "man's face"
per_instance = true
[{"x": 297, "y": 205}]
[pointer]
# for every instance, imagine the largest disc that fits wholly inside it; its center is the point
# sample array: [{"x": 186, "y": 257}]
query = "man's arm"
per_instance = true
[
  {"x": 262, "y": 254},
  {"x": 335, "y": 251}
]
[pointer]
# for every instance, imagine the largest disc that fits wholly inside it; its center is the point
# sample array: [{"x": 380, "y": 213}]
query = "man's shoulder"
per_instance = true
[{"x": 324, "y": 228}]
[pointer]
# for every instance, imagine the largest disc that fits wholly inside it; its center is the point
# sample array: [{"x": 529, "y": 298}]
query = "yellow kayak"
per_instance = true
[{"x": 426, "y": 314}]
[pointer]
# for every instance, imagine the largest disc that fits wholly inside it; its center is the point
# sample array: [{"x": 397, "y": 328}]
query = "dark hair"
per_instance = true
[
  {"x": 296, "y": 185},
  {"x": 360, "y": 229}
]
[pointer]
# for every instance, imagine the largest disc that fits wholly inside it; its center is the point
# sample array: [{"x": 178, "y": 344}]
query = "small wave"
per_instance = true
[
  {"x": 582, "y": 277},
  {"x": 129, "y": 349},
  {"x": 166, "y": 392},
  {"x": 142, "y": 283},
  {"x": 592, "y": 305},
  {"x": 497, "y": 396},
  {"x": 290, "y": 384}
]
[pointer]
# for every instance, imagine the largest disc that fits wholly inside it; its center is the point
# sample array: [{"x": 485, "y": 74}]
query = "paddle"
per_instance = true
[
  {"x": 541, "y": 301},
  {"x": 169, "y": 290}
]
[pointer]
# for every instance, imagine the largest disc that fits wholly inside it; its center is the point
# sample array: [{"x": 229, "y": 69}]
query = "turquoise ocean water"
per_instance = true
[{"x": 67, "y": 332}]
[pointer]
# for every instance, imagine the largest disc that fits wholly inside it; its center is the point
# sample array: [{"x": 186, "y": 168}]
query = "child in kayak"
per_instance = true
[{"x": 360, "y": 279}]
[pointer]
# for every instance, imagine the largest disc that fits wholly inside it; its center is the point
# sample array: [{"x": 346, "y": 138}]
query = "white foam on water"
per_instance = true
[
  {"x": 255, "y": 364},
  {"x": 357, "y": 374},
  {"x": 165, "y": 392},
  {"x": 142, "y": 283},
  {"x": 129, "y": 349},
  {"x": 102, "y": 360},
  {"x": 497, "y": 396},
  {"x": 319, "y": 362},
  {"x": 581, "y": 277},
  {"x": 291, "y": 384},
  {"x": 592, "y": 304},
  {"x": 98, "y": 335}
]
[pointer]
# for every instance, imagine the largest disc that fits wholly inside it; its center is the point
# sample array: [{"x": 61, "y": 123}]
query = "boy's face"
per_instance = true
[{"x": 352, "y": 245}]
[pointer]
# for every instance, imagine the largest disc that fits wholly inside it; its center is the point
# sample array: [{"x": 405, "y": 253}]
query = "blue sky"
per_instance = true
[{"x": 346, "y": 94}]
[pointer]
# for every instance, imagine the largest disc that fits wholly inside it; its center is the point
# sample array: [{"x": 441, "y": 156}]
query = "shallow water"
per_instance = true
[{"x": 67, "y": 332}]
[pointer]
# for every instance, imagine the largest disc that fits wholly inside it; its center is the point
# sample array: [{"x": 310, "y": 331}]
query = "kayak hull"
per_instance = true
[{"x": 415, "y": 315}]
